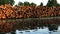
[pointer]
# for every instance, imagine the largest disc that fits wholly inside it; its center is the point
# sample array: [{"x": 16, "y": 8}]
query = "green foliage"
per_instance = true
[
  {"x": 11, "y": 2},
  {"x": 32, "y": 4},
  {"x": 41, "y": 4},
  {"x": 52, "y": 3},
  {"x": 26, "y": 3},
  {"x": 58, "y": 4},
  {"x": 2, "y": 2},
  {"x": 49, "y": 3},
  {"x": 20, "y": 4}
]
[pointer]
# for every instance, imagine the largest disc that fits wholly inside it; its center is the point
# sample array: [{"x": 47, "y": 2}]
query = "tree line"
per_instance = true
[{"x": 26, "y": 3}]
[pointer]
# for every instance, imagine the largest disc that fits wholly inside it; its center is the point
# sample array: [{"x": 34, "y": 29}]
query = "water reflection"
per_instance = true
[
  {"x": 11, "y": 33},
  {"x": 29, "y": 26},
  {"x": 52, "y": 27}
]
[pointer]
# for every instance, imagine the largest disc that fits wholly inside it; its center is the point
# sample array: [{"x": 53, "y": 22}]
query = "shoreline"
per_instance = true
[{"x": 32, "y": 18}]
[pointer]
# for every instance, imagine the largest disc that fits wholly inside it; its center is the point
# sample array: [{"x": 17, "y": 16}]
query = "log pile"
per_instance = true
[{"x": 8, "y": 11}]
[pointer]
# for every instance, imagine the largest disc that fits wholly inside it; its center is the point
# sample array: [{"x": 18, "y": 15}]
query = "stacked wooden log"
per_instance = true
[{"x": 8, "y": 11}]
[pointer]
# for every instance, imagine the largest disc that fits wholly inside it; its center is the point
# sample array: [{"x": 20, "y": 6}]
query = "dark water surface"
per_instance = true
[{"x": 30, "y": 26}]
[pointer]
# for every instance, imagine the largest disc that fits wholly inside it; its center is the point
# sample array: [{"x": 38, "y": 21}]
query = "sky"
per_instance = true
[{"x": 35, "y": 1}]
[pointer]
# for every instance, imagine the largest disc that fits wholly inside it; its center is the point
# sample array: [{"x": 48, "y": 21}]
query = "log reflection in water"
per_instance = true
[
  {"x": 23, "y": 24},
  {"x": 53, "y": 27}
]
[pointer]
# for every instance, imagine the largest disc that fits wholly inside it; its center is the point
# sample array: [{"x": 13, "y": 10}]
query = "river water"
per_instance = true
[
  {"x": 29, "y": 26},
  {"x": 38, "y": 31}
]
